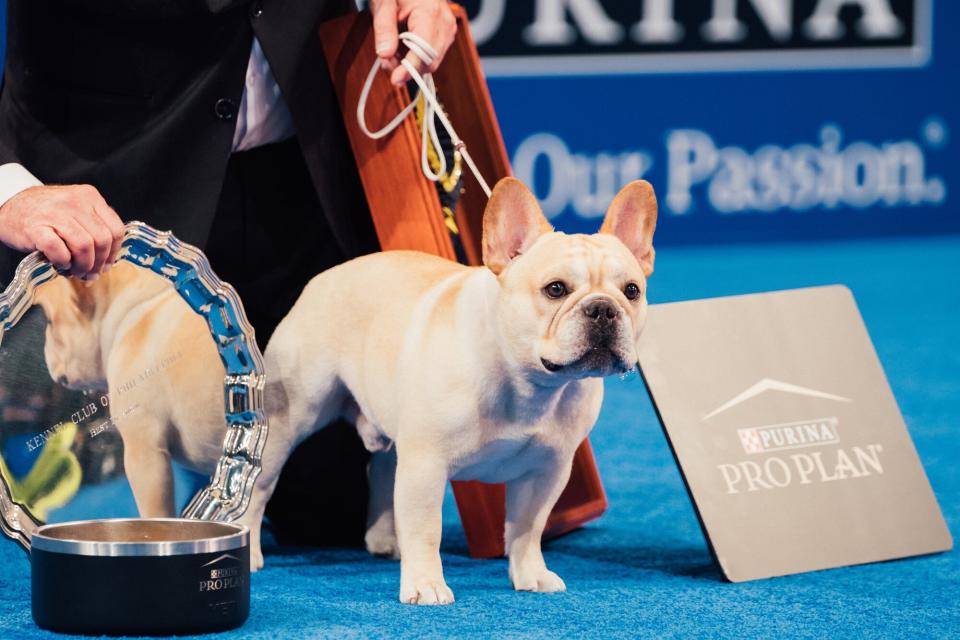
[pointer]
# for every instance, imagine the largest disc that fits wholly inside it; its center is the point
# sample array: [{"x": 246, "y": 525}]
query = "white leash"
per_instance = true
[{"x": 422, "y": 49}]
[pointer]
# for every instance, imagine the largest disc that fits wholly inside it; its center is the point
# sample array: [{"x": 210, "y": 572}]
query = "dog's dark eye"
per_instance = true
[
  {"x": 632, "y": 291},
  {"x": 555, "y": 289}
]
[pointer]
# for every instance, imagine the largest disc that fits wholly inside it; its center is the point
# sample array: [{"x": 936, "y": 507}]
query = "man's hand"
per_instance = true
[
  {"x": 71, "y": 225},
  {"x": 432, "y": 20}
]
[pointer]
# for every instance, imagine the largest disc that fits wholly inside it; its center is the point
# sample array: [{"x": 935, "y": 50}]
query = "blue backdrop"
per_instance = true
[
  {"x": 793, "y": 140},
  {"x": 754, "y": 119}
]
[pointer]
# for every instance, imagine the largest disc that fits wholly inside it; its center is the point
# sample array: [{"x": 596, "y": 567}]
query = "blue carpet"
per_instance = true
[{"x": 643, "y": 569}]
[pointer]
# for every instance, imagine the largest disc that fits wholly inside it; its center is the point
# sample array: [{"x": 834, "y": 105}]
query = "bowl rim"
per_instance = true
[{"x": 237, "y": 539}]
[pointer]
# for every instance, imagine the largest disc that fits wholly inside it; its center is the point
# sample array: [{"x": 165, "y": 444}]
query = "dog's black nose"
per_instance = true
[{"x": 601, "y": 311}]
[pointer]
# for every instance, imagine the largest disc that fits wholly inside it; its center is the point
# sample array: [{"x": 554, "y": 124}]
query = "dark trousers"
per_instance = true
[{"x": 269, "y": 238}]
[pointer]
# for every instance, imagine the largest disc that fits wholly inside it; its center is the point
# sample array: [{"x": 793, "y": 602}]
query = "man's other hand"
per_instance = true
[
  {"x": 72, "y": 225},
  {"x": 432, "y": 20}
]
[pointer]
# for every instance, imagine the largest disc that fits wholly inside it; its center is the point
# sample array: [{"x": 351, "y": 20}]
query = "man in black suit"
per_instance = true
[{"x": 215, "y": 119}]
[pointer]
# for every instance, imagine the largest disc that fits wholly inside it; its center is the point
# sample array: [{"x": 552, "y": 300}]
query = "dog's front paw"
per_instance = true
[
  {"x": 543, "y": 581},
  {"x": 382, "y": 542},
  {"x": 426, "y": 592}
]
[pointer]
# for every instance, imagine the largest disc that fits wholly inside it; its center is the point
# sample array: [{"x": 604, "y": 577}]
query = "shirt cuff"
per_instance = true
[{"x": 14, "y": 178}]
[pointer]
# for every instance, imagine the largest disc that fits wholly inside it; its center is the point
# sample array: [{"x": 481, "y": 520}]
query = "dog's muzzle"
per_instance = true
[{"x": 601, "y": 332}]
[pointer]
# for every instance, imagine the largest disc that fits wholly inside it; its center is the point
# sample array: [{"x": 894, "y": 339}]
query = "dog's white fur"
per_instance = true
[
  {"x": 470, "y": 373},
  {"x": 449, "y": 372}
]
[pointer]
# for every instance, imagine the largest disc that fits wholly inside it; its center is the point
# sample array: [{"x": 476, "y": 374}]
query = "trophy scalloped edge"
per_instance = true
[{"x": 227, "y": 495}]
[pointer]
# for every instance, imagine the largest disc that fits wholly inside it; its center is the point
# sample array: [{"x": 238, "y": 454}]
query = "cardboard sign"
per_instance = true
[{"x": 787, "y": 434}]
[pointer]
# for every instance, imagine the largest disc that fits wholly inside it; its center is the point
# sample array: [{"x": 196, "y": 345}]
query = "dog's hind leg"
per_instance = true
[
  {"x": 276, "y": 450},
  {"x": 381, "y": 538},
  {"x": 292, "y": 416},
  {"x": 281, "y": 440}
]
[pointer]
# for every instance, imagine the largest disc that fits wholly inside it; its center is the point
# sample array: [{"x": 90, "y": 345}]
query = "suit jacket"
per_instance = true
[{"x": 139, "y": 98}]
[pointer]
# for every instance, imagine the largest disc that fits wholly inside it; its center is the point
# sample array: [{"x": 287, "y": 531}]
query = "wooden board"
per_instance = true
[{"x": 407, "y": 215}]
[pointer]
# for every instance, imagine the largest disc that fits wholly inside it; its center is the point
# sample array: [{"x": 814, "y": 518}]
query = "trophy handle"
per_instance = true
[{"x": 16, "y": 521}]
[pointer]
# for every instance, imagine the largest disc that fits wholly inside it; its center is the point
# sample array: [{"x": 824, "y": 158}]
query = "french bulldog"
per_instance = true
[{"x": 450, "y": 372}]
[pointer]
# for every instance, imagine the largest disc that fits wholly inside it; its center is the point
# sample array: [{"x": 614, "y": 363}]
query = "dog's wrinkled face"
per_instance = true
[
  {"x": 571, "y": 306},
  {"x": 72, "y": 344},
  {"x": 586, "y": 297}
]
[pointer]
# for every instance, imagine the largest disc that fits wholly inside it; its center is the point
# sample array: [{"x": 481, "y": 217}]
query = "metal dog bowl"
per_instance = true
[{"x": 141, "y": 576}]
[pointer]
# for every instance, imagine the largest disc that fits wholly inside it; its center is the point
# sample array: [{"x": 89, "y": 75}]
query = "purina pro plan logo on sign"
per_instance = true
[
  {"x": 782, "y": 421},
  {"x": 774, "y": 437},
  {"x": 778, "y": 471}
]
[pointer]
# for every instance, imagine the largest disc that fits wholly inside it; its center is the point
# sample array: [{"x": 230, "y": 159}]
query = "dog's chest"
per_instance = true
[{"x": 505, "y": 456}]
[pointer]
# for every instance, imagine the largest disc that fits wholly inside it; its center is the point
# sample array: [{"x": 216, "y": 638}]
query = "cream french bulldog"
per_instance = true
[{"x": 467, "y": 373}]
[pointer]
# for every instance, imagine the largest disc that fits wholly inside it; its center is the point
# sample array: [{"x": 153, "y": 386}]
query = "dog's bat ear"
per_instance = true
[
  {"x": 512, "y": 222},
  {"x": 632, "y": 217}
]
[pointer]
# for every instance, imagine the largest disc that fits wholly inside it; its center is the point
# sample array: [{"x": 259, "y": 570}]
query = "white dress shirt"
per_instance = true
[{"x": 262, "y": 118}]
